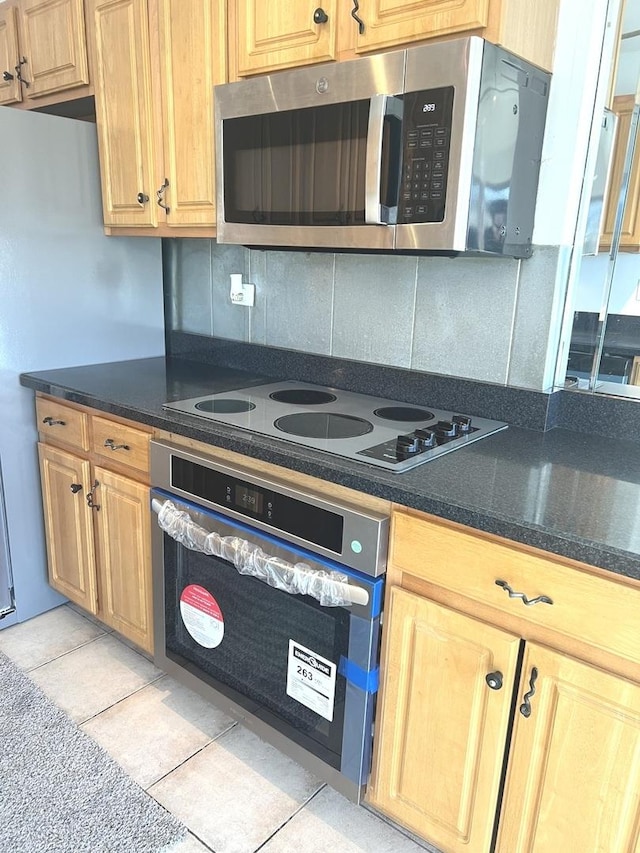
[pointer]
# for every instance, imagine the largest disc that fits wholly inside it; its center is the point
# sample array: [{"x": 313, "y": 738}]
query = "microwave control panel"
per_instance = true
[{"x": 426, "y": 139}]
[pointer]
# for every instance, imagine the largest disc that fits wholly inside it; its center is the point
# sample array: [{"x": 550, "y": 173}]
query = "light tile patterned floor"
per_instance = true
[{"x": 235, "y": 793}]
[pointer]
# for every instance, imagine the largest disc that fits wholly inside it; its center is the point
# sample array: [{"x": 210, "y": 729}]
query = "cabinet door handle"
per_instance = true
[
  {"x": 75, "y": 487},
  {"x": 354, "y": 15},
  {"x": 320, "y": 16},
  {"x": 142, "y": 199},
  {"x": 18, "y": 70},
  {"x": 7, "y": 76},
  {"x": 160, "y": 196},
  {"x": 529, "y": 602},
  {"x": 525, "y": 708},
  {"x": 90, "y": 502},
  {"x": 110, "y": 443},
  {"x": 494, "y": 680},
  {"x": 49, "y": 421}
]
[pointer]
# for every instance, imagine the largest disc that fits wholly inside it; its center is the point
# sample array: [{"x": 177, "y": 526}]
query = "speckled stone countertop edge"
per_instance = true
[{"x": 358, "y": 478}]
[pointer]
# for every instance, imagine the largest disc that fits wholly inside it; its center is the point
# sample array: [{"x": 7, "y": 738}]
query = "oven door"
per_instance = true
[{"x": 300, "y": 673}]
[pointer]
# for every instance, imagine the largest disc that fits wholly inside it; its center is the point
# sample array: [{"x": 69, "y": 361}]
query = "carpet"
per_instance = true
[{"x": 60, "y": 792}]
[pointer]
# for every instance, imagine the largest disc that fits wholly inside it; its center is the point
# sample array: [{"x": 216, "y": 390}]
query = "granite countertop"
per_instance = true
[{"x": 570, "y": 493}]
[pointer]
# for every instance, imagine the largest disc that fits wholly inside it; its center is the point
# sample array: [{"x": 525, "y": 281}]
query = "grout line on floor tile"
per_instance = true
[
  {"x": 122, "y": 699},
  {"x": 68, "y": 652},
  {"x": 189, "y": 757},
  {"x": 290, "y": 818}
]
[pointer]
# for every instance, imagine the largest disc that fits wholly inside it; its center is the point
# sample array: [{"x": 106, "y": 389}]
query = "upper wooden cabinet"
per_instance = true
[
  {"x": 267, "y": 37},
  {"x": 157, "y": 63},
  {"x": 43, "y": 48},
  {"x": 10, "y": 89},
  {"x": 630, "y": 234}
]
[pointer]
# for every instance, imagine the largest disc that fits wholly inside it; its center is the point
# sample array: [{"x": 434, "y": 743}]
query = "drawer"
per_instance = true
[
  {"x": 599, "y": 611},
  {"x": 62, "y": 423},
  {"x": 115, "y": 441}
]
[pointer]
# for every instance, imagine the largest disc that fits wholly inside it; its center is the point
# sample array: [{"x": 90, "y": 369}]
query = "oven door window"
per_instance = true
[
  {"x": 253, "y": 625},
  {"x": 298, "y": 167}
]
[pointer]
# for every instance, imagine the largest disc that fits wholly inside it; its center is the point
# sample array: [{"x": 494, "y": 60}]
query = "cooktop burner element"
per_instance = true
[
  {"x": 323, "y": 425},
  {"x": 386, "y": 433},
  {"x": 302, "y": 396}
]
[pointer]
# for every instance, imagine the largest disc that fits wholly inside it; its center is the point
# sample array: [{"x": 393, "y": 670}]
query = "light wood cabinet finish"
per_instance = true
[
  {"x": 63, "y": 423},
  {"x": 10, "y": 90},
  {"x": 52, "y": 38},
  {"x": 123, "y": 539},
  {"x": 573, "y": 780},
  {"x": 572, "y": 757},
  {"x": 597, "y": 611},
  {"x": 124, "y": 112},
  {"x": 158, "y": 62},
  {"x": 98, "y": 550},
  {"x": 68, "y": 525},
  {"x": 269, "y": 37},
  {"x": 116, "y": 441},
  {"x": 630, "y": 234},
  {"x": 442, "y": 728},
  {"x": 283, "y": 35}
]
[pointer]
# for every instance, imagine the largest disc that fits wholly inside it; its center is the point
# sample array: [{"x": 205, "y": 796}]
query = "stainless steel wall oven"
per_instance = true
[{"x": 267, "y": 600}]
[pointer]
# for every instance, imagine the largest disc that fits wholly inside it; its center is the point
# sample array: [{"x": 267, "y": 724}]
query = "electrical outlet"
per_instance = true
[{"x": 242, "y": 294}]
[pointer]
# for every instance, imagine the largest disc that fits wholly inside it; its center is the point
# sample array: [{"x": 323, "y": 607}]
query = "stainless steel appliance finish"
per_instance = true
[
  {"x": 433, "y": 148},
  {"x": 297, "y": 668},
  {"x": 386, "y": 433},
  {"x": 7, "y": 600}
]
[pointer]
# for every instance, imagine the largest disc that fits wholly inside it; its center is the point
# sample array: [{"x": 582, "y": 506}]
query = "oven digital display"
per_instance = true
[
  {"x": 312, "y": 524},
  {"x": 248, "y": 499}
]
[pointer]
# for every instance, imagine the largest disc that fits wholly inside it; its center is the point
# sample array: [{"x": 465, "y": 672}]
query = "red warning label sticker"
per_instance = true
[{"x": 202, "y": 616}]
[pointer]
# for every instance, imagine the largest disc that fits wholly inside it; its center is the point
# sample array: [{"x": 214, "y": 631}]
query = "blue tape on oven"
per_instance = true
[{"x": 366, "y": 679}]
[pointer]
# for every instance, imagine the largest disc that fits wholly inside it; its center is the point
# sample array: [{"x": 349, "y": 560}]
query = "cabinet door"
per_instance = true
[
  {"x": 442, "y": 730},
  {"x": 630, "y": 235},
  {"x": 10, "y": 91},
  {"x": 53, "y": 41},
  {"x": 396, "y": 22},
  {"x": 192, "y": 61},
  {"x": 281, "y": 34},
  {"x": 124, "y": 112},
  {"x": 124, "y": 556},
  {"x": 573, "y": 781},
  {"x": 70, "y": 551}
]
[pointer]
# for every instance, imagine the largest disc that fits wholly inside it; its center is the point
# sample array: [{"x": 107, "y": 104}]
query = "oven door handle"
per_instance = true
[{"x": 330, "y": 588}]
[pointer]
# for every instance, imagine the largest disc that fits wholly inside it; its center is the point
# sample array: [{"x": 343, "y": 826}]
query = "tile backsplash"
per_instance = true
[{"x": 476, "y": 318}]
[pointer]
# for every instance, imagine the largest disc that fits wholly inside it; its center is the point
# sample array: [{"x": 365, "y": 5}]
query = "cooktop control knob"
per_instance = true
[
  {"x": 463, "y": 422},
  {"x": 426, "y": 438},
  {"x": 406, "y": 445},
  {"x": 447, "y": 428}
]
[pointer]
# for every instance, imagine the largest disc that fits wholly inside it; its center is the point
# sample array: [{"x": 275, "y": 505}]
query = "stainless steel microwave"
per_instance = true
[{"x": 431, "y": 149}]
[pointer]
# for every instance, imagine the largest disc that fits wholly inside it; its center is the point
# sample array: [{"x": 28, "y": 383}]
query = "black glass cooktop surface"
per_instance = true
[{"x": 387, "y": 433}]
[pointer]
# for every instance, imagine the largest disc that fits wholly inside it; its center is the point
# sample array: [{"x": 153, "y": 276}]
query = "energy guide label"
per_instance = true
[{"x": 311, "y": 680}]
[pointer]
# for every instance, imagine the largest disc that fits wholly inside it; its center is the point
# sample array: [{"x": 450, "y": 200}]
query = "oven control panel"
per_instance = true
[{"x": 425, "y": 155}]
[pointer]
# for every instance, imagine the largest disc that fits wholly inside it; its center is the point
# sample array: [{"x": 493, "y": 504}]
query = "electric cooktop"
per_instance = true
[{"x": 386, "y": 433}]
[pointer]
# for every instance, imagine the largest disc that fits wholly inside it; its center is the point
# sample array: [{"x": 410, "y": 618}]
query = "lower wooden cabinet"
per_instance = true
[
  {"x": 97, "y": 516},
  {"x": 443, "y": 727},
  {"x": 495, "y": 727}
]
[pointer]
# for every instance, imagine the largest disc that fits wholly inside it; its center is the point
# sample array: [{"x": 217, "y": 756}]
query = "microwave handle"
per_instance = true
[{"x": 383, "y": 109}]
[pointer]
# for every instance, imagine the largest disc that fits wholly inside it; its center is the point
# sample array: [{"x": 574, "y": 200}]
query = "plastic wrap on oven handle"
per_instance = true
[{"x": 331, "y": 589}]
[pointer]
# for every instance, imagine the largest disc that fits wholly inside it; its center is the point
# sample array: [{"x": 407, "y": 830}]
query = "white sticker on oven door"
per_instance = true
[
  {"x": 202, "y": 616},
  {"x": 311, "y": 680}
]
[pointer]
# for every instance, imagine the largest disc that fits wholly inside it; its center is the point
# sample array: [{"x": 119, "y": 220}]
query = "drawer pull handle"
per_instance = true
[
  {"x": 529, "y": 602},
  {"x": 525, "y": 708},
  {"x": 494, "y": 680},
  {"x": 110, "y": 443},
  {"x": 49, "y": 421}
]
